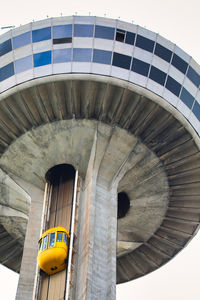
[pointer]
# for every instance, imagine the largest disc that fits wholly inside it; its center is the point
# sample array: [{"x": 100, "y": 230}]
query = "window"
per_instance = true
[
  {"x": 157, "y": 75},
  {"x": 81, "y": 30},
  {"x": 23, "y": 64},
  {"x": 196, "y": 110},
  {"x": 121, "y": 60},
  {"x": 140, "y": 67},
  {"x": 5, "y": 47},
  {"x": 22, "y": 40},
  {"x": 66, "y": 239},
  {"x": 179, "y": 63},
  {"x": 144, "y": 43},
  {"x": 41, "y": 34},
  {"x": 6, "y": 72},
  {"x": 193, "y": 76},
  {"x": 130, "y": 38},
  {"x": 104, "y": 32},
  {"x": 102, "y": 56},
  {"x": 173, "y": 86},
  {"x": 62, "y": 41},
  {"x": 82, "y": 54},
  {"x": 163, "y": 52},
  {"x": 42, "y": 58},
  {"x": 62, "y": 31},
  {"x": 120, "y": 35},
  {"x": 44, "y": 244},
  {"x": 52, "y": 239},
  {"x": 59, "y": 236},
  {"x": 61, "y": 55},
  {"x": 187, "y": 98}
]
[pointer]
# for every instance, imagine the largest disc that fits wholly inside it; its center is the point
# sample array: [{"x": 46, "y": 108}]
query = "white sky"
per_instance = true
[{"x": 178, "y": 21}]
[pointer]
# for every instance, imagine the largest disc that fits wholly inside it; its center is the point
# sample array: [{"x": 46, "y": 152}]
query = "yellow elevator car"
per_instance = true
[{"x": 53, "y": 249}]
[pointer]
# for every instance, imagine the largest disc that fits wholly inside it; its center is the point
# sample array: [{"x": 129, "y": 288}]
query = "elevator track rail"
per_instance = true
[{"x": 60, "y": 198}]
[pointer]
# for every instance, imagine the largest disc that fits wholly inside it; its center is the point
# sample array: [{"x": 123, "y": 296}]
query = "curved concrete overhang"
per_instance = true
[
  {"x": 46, "y": 115},
  {"x": 163, "y": 185}
]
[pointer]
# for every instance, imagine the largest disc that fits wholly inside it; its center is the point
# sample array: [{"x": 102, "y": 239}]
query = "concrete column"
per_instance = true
[
  {"x": 29, "y": 260},
  {"x": 96, "y": 267}
]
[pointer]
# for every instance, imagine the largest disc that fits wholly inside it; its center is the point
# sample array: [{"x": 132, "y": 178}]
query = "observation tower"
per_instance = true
[{"x": 100, "y": 134}]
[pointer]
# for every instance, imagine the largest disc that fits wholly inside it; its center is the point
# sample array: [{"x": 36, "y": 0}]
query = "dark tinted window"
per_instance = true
[
  {"x": 81, "y": 54},
  {"x": 41, "y": 34},
  {"x": 163, "y": 52},
  {"x": 187, "y": 98},
  {"x": 62, "y": 55},
  {"x": 130, "y": 38},
  {"x": 59, "y": 236},
  {"x": 120, "y": 35},
  {"x": 144, "y": 43},
  {"x": 62, "y": 41},
  {"x": 193, "y": 76},
  {"x": 173, "y": 86},
  {"x": 83, "y": 30},
  {"x": 101, "y": 56},
  {"x": 122, "y": 61},
  {"x": 21, "y": 40},
  {"x": 5, "y": 47},
  {"x": 140, "y": 67},
  {"x": 62, "y": 31},
  {"x": 179, "y": 63},
  {"x": 6, "y": 71},
  {"x": 157, "y": 75},
  {"x": 23, "y": 64},
  {"x": 104, "y": 32},
  {"x": 52, "y": 239},
  {"x": 196, "y": 110},
  {"x": 41, "y": 59}
]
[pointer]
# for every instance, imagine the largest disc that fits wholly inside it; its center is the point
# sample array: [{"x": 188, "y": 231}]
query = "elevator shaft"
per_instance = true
[{"x": 59, "y": 200}]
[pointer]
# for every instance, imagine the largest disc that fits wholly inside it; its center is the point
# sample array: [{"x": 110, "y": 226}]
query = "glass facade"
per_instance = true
[{"x": 63, "y": 35}]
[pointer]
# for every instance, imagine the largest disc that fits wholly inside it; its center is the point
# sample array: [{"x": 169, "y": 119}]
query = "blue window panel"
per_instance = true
[
  {"x": 6, "y": 71},
  {"x": 179, "y": 63},
  {"x": 21, "y": 40},
  {"x": 163, "y": 52},
  {"x": 145, "y": 43},
  {"x": 193, "y": 76},
  {"x": 41, "y": 34},
  {"x": 62, "y": 55},
  {"x": 140, "y": 67},
  {"x": 157, "y": 75},
  {"x": 102, "y": 56},
  {"x": 173, "y": 86},
  {"x": 196, "y": 110},
  {"x": 130, "y": 38},
  {"x": 104, "y": 32},
  {"x": 62, "y": 31},
  {"x": 187, "y": 98},
  {"x": 42, "y": 58},
  {"x": 5, "y": 47},
  {"x": 82, "y": 54},
  {"x": 121, "y": 60},
  {"x": 23, "y": 64},
  {"x": 81, "y": 30}
]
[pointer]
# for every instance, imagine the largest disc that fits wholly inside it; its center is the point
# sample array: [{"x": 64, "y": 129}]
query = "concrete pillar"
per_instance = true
[
  {"x": 96, "y": 266},
  {"x": 29, "y": 260}
]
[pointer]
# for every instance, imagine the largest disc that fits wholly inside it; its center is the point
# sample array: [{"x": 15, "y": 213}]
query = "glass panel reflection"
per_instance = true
[{"x": 21, "y": 40}]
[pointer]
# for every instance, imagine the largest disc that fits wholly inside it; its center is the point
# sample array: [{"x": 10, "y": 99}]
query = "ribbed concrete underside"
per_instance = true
[{"x": 155, "y": 127}]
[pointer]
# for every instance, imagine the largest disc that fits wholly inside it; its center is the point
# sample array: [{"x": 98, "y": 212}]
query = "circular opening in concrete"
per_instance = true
[
  {"x": 123, "y": 205},
  {"x": 60, "y": 173}
]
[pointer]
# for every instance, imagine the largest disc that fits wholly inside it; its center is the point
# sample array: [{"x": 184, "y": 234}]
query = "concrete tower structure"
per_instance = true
[{"x": 120, "y": 104}]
